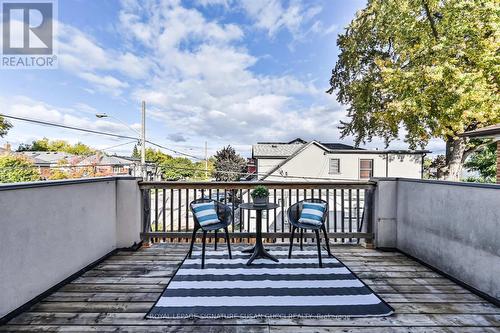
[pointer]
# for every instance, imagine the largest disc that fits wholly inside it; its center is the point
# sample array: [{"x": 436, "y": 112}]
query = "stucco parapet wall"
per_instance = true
[
  {"x": 26, "y": 185},
  {"x": 437, "y": 182}
]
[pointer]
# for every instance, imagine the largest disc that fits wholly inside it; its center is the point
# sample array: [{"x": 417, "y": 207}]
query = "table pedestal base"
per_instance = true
[{"x": 258, "y": 253}]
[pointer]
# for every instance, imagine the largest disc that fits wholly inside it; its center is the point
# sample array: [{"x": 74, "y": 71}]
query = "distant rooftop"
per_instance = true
[
  {"x": 286, "y": 149},
  {"x": 484, "y": 132},
  {"x": 108, "y": 160},
  {"x": 47, "y": 157}
]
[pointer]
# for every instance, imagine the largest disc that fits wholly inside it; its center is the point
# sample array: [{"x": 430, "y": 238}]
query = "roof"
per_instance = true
[
  {"x": 107, "y": 160},
  {"x": 47, "y": 157},
  {"x": 270, "y": 172},
  {"x": 286, "y": 149},
  {"x": 282, "y": 150},
  {"x": 483, "y": 132},
  {"x": 339, "y": 146}
]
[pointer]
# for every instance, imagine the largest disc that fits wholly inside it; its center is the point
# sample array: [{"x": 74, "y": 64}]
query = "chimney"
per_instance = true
[{"x": 7, "y": 147}]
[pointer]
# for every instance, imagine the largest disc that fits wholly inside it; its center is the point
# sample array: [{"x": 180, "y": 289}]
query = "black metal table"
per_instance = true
[{"x": 258, "y": 250}]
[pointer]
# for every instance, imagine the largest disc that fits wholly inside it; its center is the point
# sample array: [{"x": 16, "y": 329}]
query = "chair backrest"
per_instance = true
[
  {"x": 223, "y": 211},
  {"x": 295, "y": 209}
]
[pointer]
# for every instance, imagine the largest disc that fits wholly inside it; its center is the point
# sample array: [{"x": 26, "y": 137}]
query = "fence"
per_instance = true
[{"x": 167, "y": 217}]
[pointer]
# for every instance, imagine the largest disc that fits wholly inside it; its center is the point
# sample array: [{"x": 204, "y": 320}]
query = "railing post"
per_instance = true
[
  {"x": 368, "y": 216},
  {"x": 146, "y": 216}
]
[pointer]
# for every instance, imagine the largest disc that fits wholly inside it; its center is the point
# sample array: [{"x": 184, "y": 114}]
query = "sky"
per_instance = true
[{"x": 225, "y": 72}]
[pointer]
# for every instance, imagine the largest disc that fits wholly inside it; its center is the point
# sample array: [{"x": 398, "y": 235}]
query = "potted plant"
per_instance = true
[{"x": 260, "y": 195}]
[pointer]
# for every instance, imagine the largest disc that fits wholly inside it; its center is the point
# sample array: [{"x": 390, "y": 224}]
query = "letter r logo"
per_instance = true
[{"x": 27, "y": 27}]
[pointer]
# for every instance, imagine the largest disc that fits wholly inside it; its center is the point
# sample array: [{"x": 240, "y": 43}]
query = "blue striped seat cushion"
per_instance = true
[
  {"x": 312, "y": 213},
  {"x": 205, "y": 213}
]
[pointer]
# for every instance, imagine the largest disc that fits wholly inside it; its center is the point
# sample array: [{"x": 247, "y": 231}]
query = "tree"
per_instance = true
[
  {"x": 228, "y": 165},
  {"x": 5, "y": 126},
  {"x": 57, "y": 145},
  {"x": 135, "y": 152},
  {"x": 483, "y": 161},
  {"x": 434, "y": 168},
  {"x": 429, "y": 67},
  {"x": 15, "y": 168},
  {"x": 177, "y": 168}
]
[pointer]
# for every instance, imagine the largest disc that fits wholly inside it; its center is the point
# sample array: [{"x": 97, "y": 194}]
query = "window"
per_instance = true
[
  {"x": 334, "y": 166},
  {"x": 365, "y": 169}
]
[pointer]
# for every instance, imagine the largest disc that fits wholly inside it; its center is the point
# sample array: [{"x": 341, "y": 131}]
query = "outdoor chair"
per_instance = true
[
  {"x": 294, "y": 213},
  {"x": 224, "y": 217}
]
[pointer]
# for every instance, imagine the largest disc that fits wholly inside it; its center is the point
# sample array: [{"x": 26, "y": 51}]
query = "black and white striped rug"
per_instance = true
[{"x": 292, "y": 288}]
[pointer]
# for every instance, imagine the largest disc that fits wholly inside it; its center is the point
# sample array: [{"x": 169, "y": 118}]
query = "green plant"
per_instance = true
[
  {"x": 14, "y": 168},
  {"x": 260, "y": 192},
  {"x": 429, "y": 67}
]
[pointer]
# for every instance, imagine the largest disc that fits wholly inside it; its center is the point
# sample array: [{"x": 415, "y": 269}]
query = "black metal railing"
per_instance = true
[{"x": 167, "y": 217}]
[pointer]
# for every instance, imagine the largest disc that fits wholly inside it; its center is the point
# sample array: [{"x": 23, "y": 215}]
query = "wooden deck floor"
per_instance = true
[{"x": 115, "y": 296}]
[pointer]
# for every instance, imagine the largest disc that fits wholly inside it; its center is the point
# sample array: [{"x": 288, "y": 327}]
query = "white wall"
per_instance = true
[
  {"x": 314, "y": 162},
  {"x": 264, "y": 165},
  {"x": 49, "y": 232},
  {"x": 452, "y": 226}
]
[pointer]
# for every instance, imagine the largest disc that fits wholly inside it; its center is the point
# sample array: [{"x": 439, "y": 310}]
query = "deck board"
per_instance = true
[{"x": 117, "y": 293}]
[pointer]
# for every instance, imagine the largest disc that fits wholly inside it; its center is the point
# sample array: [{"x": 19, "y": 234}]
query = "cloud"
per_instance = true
[
  {"x": 25, "y": 107},
  {"x": 104, "y": 83},
  {"x": 274, "y": 15},
  {"x": 208, "y": 87},
  {"x": 177, "y": 137},
  {"x": 102, "y": 67}
]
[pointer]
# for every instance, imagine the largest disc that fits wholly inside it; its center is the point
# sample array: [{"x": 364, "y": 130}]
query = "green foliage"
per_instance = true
[
  {"x": 228, "y": 165},
  {"x": 58, "y": 174},
  {"x": 4, "y": 126},
  {"x": 435, "y": 168},
  {"x": 427, "y": 66},
  {"x": 479, "y": 179},
  {"x": 260, "y": 192},
  {"x": 484, "y": 161},
  {"x": 17, "y": 169},
  {"x": 135, "y": 152},
  {"x": 57, "y": 145},
  {"x": 177, "y": 168}
]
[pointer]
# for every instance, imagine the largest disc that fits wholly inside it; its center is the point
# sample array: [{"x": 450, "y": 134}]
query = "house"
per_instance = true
[
  {"x": 115, "y": 165},
  {"x": 47, "y": 160},
  {"x": 112, "y": 165},
  {"x": 489, "y": 132},
  {"x": 298, "y": 159}
]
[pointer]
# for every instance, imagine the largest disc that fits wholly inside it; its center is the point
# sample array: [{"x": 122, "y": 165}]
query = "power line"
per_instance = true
[
  {"x": 115, "y": 146},
  {"x": 175, "y": 151},
  {"x": 41, "y": 122}
]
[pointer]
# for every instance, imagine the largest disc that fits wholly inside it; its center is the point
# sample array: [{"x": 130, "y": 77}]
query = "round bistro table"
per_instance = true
[{"x": 258, "y": 250}]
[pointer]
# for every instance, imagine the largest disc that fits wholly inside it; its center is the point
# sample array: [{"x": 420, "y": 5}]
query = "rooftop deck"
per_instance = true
[{"x": 116, "y": 294}]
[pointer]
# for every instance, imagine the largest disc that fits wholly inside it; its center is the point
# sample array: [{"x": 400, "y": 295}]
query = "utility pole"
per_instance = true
[
  {"x": 206, "y": 160},
  {"x": 143, "y": 141}
]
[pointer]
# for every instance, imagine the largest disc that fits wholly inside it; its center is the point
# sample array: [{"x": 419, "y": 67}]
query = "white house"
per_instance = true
[{"x": 299, "y": 160}]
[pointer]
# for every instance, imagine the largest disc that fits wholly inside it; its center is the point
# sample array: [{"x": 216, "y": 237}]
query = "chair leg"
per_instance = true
[
  {"x": 327, "y": 241},
  {"x": 215, "y": 241},
  {"x": 203, "y": 249},
  {"x": 228, "y": 243},
  {"x": 318, "y": 241},
  {"x": 193, "y": 238},
  {"x": 301, "y": 237},
  {"x": 291, "y": 243}
]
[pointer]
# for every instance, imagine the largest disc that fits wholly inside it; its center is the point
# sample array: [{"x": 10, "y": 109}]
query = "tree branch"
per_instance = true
[
  {"x": 431, "y": 20},
  {"x": 471, "y": 150}
]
